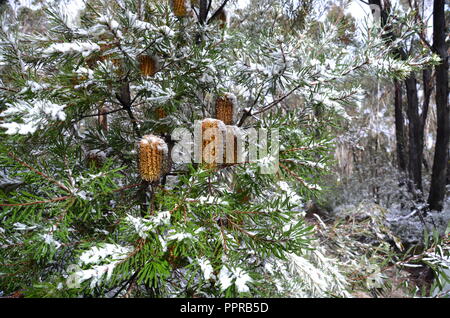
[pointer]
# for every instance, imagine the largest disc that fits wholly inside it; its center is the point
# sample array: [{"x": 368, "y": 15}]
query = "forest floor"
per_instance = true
[{"x": 374, "y": 260}]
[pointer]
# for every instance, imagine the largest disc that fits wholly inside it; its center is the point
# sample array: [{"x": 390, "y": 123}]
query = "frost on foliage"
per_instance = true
[
  {"x": 95, "y": 273},
  {"x": 84, "y": 48},
  {"x": 267, "y": 162},
  {"x": 49, "y": 240},
  {"x": 409, "y": 226},
  {"x": 82, "y": 194},
  {"x": 23, "y": 227},
  {"x": 83, "y": 71},
  {"x": 225, "y": 278},
  {"x": 111, "y": 254},
  {"x": 209, "y": 199},
  {"x": 34, "y": 87},
  {"x": 158, "y": 94},
  {"x": 205, "y": 266},
  {"x": 179, "y": 236},
  {"x": 281, "y": 63},
  {"x": 163, "y": 243},
  {"x": 96, "y": 254},
  {"x": 440, "y": 259},
  {"x": 140, "y": 25},
  {"x": 293, "y": 197},
  {"x": 330, "y": 98},
  {"x": 310, "y": 275},
  {"x": 142, "y": 226},
  {"x": 34, "y": 114},
  {"x": 240, "y": 277},
  {"x": 375, "y": 279}
]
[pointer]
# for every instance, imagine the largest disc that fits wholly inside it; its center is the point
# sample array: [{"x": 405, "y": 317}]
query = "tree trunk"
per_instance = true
[
  {"x": 399, "y": 126},
  {"x": 203, "y": 11},
  {"x": 440, "y": 161},
  {"x": 414, "y": 154},
  {"x": 427, "y": 90},
  {"x": 415, "y": 127}
]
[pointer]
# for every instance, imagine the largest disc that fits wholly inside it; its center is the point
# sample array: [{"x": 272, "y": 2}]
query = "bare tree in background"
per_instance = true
[
  {"x": 440, "y": 163},
  {"x": 410, "y": 149}
]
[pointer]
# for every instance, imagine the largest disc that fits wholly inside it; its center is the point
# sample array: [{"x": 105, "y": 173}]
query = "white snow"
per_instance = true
[
  {"x": 23, "y": 227},
  {"x": 34, "y": 115},
  {"x": 98, "y": 253},
  {"x": 35, "y": 86},
  {"x": 180, "y": 236},
  {"x": 49, "y": 239},
  {"x": 206, "y": 268},
  {"x": 293, "y": 197},
  {"x": 240, "y": 277},
  {"x": 225, "y": 278},
  {"x": 85, "y": 48},
  {"x": 142, "y": 225}
]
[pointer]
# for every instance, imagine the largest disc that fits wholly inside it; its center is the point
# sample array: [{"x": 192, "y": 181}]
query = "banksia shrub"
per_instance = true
[
  {"x": 212, "y": 146},
  {"x": 180, "y": 8},
  {"x": 225, "y": 105},
  {"x": 148, "y": 65},
  {"x": 153, "y": 158}
]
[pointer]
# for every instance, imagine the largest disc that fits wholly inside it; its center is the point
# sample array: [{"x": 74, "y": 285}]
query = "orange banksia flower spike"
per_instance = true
[
  {"x": 225, "y": 105},
  {"x": 213, "y": 141},
  {"x": 148, "y": 65},
  {"x": 153, "y": 158},
  {"x": 181, "y": 8}
]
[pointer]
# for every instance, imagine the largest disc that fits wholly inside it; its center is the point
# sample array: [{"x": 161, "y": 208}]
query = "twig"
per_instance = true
[
  {"x": 297, "y": 177},
  {"x": 38, "y": 202},
  {"x": 60, "y": 185},
  {"x": 97, "y": 114},
  {"x": 126, "y": 283},
  {"x": 8, "y": 89},
  {"x": 217, "y": 12}
]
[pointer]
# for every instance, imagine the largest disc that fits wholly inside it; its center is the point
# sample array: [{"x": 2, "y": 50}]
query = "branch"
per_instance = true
[
  {"x": 125, "y": 100},
  {"x": 279, "y": 100},
  {"x": 97, "y": 114},
  {"x": 38, "y": 202},
  {"x": 60, "y": 185},
  {"x": 128, "y": 281},
  {"x": 248, "y": 113},
  {"x": 217, "y": 12},
  {"x": 8, "y": 89}
]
